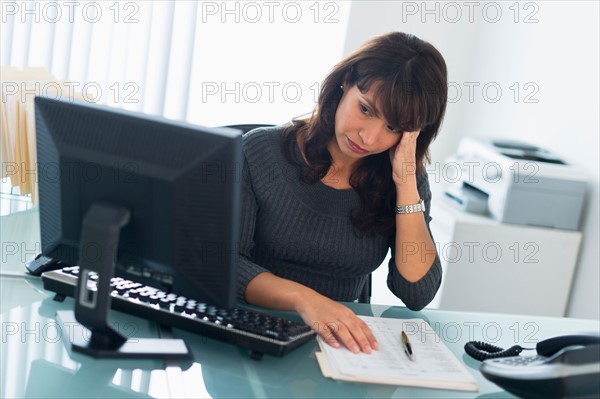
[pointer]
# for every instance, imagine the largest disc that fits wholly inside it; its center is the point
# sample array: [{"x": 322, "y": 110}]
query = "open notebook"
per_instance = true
[{"x": 434, "y": 366}]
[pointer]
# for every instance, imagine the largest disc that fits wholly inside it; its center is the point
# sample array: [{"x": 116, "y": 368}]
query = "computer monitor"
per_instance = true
[{"x": 159, "y": 198}]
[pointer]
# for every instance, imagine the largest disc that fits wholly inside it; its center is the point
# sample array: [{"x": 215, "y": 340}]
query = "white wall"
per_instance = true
[
  {"x": 211, "y": 63},
  {"x": 258, "y": 72},
  {"x": 550, "y": 50}
]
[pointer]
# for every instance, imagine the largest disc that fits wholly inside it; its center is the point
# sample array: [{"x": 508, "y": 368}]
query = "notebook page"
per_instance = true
[{"x": 434, "y": 362}]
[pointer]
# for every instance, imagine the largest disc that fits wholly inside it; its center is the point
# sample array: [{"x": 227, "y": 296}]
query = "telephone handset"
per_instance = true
[{"x": 565, "y": 366}]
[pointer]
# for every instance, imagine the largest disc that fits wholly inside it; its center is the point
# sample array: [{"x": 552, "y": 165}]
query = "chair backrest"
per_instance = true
[
  {"x": 247, "y": 127},
  {"x": 365, "y": 295}
]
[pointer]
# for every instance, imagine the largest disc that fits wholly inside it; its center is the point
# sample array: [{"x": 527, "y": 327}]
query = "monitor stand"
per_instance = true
[{"x": 99, "y": 241}]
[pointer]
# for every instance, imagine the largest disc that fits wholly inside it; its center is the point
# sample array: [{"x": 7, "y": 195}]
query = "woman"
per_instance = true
[{"x": 326, "y": 197}]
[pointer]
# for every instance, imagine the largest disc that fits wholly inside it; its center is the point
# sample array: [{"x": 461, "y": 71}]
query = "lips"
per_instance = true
[{"x": 356, "y": 148}]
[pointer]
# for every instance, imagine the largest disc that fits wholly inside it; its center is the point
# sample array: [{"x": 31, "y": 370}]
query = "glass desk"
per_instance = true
[{"x": 36, "y": 363}]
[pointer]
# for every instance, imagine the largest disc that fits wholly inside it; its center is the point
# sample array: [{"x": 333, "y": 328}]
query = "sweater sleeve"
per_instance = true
[
  {"x": 416, "y": 295},
  {"x": 247, "y": 269}
]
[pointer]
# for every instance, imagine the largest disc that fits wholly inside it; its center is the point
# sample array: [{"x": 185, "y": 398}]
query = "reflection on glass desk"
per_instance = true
[{"x": 36, "y": 363}]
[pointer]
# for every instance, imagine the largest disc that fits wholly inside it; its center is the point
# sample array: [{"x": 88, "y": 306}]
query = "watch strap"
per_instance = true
[{"x": 404, "y": 209}]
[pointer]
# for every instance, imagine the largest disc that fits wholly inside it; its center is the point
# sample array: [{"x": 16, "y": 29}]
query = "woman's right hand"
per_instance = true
[{"x": 336, "y": 323}]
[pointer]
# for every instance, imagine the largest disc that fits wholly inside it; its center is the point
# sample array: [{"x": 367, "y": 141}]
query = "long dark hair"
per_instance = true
[{"x": 412, "y": 96}]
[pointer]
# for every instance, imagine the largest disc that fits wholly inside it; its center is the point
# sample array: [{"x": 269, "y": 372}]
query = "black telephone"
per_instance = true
[{"x": 565, "y": 367}]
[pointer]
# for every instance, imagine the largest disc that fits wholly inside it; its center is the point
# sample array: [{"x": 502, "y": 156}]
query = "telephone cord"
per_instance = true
[{"x": 482, "y": 350}]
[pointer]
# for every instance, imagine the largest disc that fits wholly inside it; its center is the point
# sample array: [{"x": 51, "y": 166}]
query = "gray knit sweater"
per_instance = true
[{"x": 303, "y": 232}]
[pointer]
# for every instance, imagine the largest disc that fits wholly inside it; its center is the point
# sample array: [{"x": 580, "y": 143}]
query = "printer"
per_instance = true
[{"x": 516, "y": 182}]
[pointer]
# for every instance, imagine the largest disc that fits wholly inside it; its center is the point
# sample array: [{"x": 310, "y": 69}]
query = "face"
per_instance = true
[{"x": 360, "y": 129}]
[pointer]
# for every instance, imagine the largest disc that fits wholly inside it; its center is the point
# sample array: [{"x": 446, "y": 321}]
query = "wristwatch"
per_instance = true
[{"x": 403, "y": 209}]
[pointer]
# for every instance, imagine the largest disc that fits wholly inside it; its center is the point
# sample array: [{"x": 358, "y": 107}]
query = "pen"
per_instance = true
[{"x": 407, "y": 347}]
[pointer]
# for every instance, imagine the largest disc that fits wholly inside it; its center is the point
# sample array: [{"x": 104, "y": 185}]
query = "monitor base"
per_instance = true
[{"x": 133, "y": 348}]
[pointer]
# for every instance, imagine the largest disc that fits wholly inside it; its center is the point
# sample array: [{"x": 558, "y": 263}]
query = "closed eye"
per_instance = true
[
  {"x": 393, "y": 129},
  {"x": 363, "y": 108}
]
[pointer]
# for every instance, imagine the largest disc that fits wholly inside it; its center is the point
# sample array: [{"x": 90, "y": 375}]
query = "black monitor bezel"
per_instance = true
[{"x": 56, "y": 212}]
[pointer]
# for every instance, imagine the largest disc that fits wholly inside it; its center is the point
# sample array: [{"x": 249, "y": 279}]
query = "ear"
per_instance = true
[{"x": 344, "y": 85}]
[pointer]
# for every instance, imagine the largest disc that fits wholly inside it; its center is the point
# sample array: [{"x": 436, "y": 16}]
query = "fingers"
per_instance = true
[
  {"x": 353, "y": 340},
  {"x": 328, "y": 333},
  {"x": 371, "y": 340},
  {"x": 354, "y": 334},
  {"x": 360, "y": 338},
  {"x": 336, "y": 324},
  {"x": 403, "y": 158},
  {"x": 412, "y": 135},
  {"x": 409, "y": 141},
  {"x": 406, "y": 145}
]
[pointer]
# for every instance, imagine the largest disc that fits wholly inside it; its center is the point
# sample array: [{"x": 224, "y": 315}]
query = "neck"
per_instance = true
[
  {"x": 338, "y": 175},
  {"x": 338, "y": 160}
]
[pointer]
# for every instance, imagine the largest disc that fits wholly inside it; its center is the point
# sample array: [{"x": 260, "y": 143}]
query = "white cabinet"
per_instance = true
[{"x": 504, "y": 268}]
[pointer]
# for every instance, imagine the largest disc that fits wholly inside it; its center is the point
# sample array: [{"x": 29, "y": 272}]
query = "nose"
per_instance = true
[{"x": 370, "y": 134}]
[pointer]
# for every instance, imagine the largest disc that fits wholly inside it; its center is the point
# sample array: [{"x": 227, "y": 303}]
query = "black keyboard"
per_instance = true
[{"x": 259, "y": 332}]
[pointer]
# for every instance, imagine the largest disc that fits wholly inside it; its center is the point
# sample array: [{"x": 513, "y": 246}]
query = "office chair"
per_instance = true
[
  {"x": 365, "y": 295},
  {"x": 247, "y": 127}
]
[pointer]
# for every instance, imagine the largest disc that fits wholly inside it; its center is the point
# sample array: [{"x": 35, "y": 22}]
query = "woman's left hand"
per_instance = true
[{"x": 403, "y": 157}]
